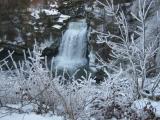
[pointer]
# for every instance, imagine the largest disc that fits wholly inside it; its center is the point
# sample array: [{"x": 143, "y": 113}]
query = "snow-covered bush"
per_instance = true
[
  {"x": 84, "y": 99},
  {"x": 31, "y": 82},
  {"x": 113, "y": 97},
  {"x": 136, "y": 56},
  {"x": 17, "y": 81}
]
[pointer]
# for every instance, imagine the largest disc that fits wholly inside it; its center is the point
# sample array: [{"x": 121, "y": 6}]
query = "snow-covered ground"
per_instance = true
[
  {"x": 12, "y": 114},
  {"x": 139, "y": 105},
  {"x": 30, "y": 116}
]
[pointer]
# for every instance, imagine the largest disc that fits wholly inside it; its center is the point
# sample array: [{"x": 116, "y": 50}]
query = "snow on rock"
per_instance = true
[
  {"x": 57, "y": 26},
  {"x": 29, "y": 34},
  {"x": 138, "y": 105},
  {"x": 65, "y": 3},
  {"x": 35, "y": 14},
  {"x": 55, "y": 5},
  {"x": 35, "y": 28},
  {"x": 62, "y": 18},
  {"x": 31, "y": 23},
  {"x": 50, "y": 12}
]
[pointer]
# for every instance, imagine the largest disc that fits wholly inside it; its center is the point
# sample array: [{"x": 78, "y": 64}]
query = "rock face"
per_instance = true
[
  {"x": 74, "y": 8},
  {"x": 23, "y": 27}
]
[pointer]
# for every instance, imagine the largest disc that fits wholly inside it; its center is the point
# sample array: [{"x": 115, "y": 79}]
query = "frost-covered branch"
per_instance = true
[{"x": 127, "y": 48}]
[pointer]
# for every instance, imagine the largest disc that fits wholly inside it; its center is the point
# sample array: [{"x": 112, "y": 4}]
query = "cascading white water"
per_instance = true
[{"x": 72, "y": 52}]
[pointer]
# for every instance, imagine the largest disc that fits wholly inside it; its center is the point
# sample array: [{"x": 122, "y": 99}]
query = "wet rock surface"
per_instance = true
[{"x": 19, "y": 30}]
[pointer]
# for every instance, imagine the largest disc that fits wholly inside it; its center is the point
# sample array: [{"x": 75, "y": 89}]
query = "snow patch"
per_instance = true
[
  {"x": 35, "y": 14},
  {"x": 55, "y": 5},
  {"x": 50, "y": 12},
  {"x": 139, "y": 105},
  {"x": 31, "y": 116},
  {"x": 57, "y": 26},
  {"x": 62, "y": 18}
]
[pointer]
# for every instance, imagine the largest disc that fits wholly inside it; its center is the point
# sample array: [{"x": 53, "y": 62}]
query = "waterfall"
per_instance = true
[{"x": 73, "y": 47}]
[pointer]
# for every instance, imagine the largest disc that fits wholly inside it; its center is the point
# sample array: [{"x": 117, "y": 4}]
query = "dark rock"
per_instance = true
[
  {"x": 99, "y": 76},
  {"x": 74, "y": 8},
  {"x": 102, "y": 49},
  {"x": 10, "y": 47},
  {"x": 50, "y": 51}
]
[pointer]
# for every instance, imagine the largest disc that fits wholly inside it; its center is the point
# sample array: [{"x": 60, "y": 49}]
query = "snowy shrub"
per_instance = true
[
  {"x": 78, "y": 99},
  {"x": 84, "y": 99},
  {"x": 31, "y": 82},
  {"x": 137, "y": 56},
  {"x": 114, "y": 97},
  {"x": 8, "y": 81}
]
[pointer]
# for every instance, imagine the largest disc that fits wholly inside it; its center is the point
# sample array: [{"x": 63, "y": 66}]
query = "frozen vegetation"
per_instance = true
[{"x": 129, "y": 88}]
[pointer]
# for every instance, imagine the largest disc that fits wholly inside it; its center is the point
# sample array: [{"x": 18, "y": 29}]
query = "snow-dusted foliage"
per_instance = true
[
  {"x": 137, "y": 56},
  {"x": 31, "y": 82},
  {"x": 113, "y": 97}
]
